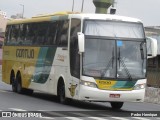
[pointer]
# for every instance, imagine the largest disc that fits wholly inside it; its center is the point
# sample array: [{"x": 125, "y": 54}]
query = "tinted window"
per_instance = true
[
  {"x": 25, "y": 34},
  {"x": 74, "y": 56},
  {"x": 14, "y": 34},
  {"x": 52, "y": 33},
  {"x": 42, "y": 33},
  {"x": 63, "y": 33},
  {"x": 7, "y": 34}
]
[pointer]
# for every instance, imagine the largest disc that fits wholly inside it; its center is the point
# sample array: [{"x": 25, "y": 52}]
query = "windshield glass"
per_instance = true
[
  {"x": 105, "y": 57},
  {"x": 113, "y": 29},
  {"x": 131, "y": 59},
  {"x": 99, "y": 58}
]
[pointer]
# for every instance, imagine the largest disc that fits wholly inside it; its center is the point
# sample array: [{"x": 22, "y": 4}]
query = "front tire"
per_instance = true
[{"x": 116, "y": 105}]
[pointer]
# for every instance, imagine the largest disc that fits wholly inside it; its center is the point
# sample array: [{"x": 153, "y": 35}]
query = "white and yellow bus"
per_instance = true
[{"x": 88, "y": 57}]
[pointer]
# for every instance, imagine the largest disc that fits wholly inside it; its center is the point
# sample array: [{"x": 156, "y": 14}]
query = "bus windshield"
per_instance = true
[{"x": 111, "y": 51}]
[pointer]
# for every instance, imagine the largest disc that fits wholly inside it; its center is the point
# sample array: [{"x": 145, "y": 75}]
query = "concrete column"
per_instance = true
[{"x": 102, "y": 5}]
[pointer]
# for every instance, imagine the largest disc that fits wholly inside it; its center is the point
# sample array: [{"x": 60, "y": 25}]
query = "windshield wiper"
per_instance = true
[
  {"x": 142, "y": 54},
  {"x": 141, "y": 49},
  {"x": 109, "y": 64},
  {"x": 125, "y": 68},
  {"x": 123, "y": 64}
]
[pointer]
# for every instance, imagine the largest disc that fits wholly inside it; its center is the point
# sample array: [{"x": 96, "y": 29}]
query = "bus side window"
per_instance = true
[
  {"x": 63, "y": 33},
  {"x": 41, "y": 30},
  {"x": 47, "y": 37},
  {"x": 33, "y": 33},
  {"x": 14, "y": 34},
  {"x": 7, "y": 35},
  {"x": 21, "y": 34},
  {"x": 52, "y": 33},
  {"x": 28, "y": 33},
  {"x": 39, "y": 39},
  {"x": 74, "y": 56}
]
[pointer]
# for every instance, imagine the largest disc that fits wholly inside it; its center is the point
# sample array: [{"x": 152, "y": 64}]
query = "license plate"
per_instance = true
[{"x": 114, "y": 95}]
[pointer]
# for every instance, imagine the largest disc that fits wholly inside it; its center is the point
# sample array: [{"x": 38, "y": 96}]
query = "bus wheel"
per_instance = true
[
  {"x": 61, "y": 92},
  {"x": 19, "y": 84},
  {"x": 14, "y": 84},
  {"x": 116, "y": 105}
]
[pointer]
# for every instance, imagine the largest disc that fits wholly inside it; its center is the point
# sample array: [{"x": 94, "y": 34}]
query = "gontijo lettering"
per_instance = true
[{"x": 25, "y": 53}]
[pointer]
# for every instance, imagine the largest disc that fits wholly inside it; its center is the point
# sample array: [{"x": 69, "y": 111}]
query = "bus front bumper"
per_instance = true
[{"x": 94, "y": 94}]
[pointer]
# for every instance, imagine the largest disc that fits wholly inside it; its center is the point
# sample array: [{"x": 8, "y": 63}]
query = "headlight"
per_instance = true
[
  {"x": 89, "y": 84},
  {"x": 139, "y": 86}
]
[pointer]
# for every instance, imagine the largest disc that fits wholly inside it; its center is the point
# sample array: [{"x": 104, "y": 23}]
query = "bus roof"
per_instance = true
[
  {"x": 105, "y": 17},
  {"x": 68, "y": 15},
  {"x": 90, "y": 16}
]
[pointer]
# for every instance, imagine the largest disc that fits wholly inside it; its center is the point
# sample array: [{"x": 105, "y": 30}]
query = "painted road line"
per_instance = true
[
  {"x": 98, "y": 118},
  {"x": 2, "y": 90},
  {"x": 85, "y": 115},
  {"x": 140, "y": 118},
  {"x": 62, "y": 115},
  {"x": 81, "y": 114},
  {"x": 73, "y": 118},
  {"x": 56, "y": 114},
  {"x": 49, "y": 118},
  {"x": 17, "y": 109},
  {"x": 119, "y": 118},
  {"x": 105, "y": 115},
  {"x": 5, "y": 91},
  {"x": 43, "y": 110}
]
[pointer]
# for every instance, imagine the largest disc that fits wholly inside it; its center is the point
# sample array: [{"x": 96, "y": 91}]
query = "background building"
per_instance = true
[
  {"x": 3, "y": 22},
  {"x": 153, "y": 74}
]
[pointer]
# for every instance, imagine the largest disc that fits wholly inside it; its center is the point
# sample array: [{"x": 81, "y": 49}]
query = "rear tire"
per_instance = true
[
  {"x": 19, "y": 84},
  {"x": 14, "y": 84},
  {"x": 117, "y": 105},
  {"x": 61, "y": 92}
]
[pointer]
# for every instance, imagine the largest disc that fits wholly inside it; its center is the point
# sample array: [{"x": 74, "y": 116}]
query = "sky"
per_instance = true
[{"x": 145, "y": 10}]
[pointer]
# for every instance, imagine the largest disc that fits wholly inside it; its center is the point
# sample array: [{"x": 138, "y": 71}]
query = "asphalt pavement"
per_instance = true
[{"x": 50, "y": 108}]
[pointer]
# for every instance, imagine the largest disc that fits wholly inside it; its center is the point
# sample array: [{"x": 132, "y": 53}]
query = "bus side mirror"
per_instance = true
[
  {"x": 81, "y": 42},
  {"x": 151, "y": 47}
]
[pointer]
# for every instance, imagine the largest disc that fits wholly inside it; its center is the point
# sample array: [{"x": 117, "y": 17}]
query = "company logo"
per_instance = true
[
  {"x": 72, "y": 89},
  {"x": 105, "y": 82},
  {"x": 20, "y": 114},
  {"x": 25, "y": 53},
  {"x": 61, "y": 58},
  {"x": 6, "y": 114}
]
